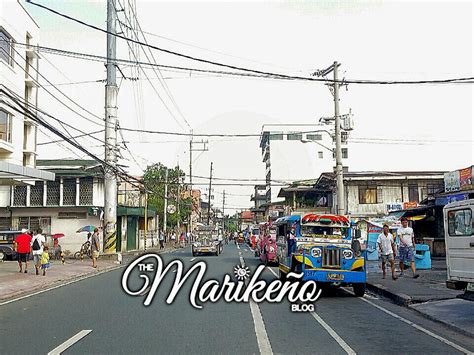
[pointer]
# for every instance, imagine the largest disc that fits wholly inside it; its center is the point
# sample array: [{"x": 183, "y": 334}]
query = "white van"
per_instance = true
[{"x": 458, "y": 231}]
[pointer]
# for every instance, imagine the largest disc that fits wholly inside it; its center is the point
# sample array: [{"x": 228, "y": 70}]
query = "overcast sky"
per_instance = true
[{"x": 373, "y": 40}]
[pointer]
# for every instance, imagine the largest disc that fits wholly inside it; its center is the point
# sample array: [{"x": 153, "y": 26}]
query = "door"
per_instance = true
[
  {"x": 118, "y": 246},
  {"x": 460, "y": 242},
  {"x": 131, "y": 233}
]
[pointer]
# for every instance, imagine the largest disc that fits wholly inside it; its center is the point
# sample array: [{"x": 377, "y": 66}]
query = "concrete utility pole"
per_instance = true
[
  {"x": 203, "y": 149},
  {"x": 223, "y": 215},
  {"x": 339, "y": 172},
  {"x": 111, "y": 91},
  {"x": 166, "y": 202},
  {"x": 209, "y": 199}
]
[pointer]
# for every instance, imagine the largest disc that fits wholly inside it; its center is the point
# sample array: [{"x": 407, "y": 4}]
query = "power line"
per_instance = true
[
  {"x": 206, "y": 61},
  {"x": 78, "y": 136}
]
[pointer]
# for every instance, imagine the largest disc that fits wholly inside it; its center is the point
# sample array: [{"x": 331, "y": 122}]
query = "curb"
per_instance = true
[
  {"x": 399, "y": 298},
  {"x": 60, "y": 283},
  {"x": 449, "y": 325}
]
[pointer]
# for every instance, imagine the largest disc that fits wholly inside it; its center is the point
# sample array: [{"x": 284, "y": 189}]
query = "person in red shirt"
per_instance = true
[{"x": 23, "y": 246}]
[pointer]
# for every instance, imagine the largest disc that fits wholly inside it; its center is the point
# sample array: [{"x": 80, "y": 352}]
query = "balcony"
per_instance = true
[{"x": 5, "y": 147}]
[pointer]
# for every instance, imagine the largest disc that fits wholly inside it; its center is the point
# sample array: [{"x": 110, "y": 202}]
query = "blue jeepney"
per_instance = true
[{"x": 323, "y": 249}]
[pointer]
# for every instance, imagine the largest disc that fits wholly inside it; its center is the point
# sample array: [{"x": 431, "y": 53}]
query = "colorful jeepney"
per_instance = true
[
  {"x": 267, "y": 247},
  {"x": 322, "y": 248}
]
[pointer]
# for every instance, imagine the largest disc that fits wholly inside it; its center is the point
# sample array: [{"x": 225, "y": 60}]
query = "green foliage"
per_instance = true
[{"x": 154, "y": 180}]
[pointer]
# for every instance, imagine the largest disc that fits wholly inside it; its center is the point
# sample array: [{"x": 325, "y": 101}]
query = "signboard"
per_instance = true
[
  {"x": 465, "y": 178},
  {"x": 394, "y": 207},
  {"x": 443, "y": 201},
  {"x": 407, "y": 205},
  {"x": 171, "y": 209},
  {"x": 452, "y": 181}
]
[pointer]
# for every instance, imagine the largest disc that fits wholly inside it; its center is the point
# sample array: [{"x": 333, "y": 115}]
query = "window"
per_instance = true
[
  {"x": 33, "y": 223},
  {"x": 72, "y": 215},
  {"x": 320, "y": 155},
  {"x": 52, "y": 193},
  {"x": 69, "y": 192},
  {"x": 275, "y": 136},
  {"x": 460, "y": 223},
  {"x": 368, "y": 195},
  {"x": 36, "y": 194},
  {"x": 314, "y": 137},
  {"x": 86, "y": 186},
  {"x": 19, "y": 196},
  {"x": 345, "y": 153},
  {"x": 5, "y": 126},
  {"x": 413, "y": 193},
  {"x": 294, "y": 136},
  {"x": 6, "y": 50}
]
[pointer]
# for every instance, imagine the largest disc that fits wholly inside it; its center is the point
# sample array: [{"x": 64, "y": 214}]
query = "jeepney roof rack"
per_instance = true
[{"x": 329, "y": 220}]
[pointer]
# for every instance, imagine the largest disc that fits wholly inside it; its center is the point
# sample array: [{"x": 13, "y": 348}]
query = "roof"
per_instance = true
[
  {"x": 13, "y": 173},
  {"x": 71, "y": 167},
  {"x": 286, "y": 219},
  {"x": 246, "y": 215},
  {"x": 380, "y": 175}
]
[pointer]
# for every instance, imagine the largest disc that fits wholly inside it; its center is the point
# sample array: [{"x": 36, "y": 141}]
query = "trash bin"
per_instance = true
[{"x": 422, "y": 257}]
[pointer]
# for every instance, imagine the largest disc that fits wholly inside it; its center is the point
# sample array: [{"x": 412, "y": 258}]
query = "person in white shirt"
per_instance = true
[
  {"x": 37, "y": 244},
  {"x": 407, "y": 247},
  {"x": 387, "y": 250}
]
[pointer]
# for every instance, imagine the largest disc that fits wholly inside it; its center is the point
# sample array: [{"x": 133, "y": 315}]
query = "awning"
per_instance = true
[
  {"x": 413, "y": 214},
  {"x": 13, "y": 174},
  {"x": 287, "y": 219}
]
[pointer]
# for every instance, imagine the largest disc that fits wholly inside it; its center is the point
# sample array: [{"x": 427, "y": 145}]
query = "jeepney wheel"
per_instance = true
[
  {"x": 359, "y": 289},
  {"x": 282, "y": 275}
]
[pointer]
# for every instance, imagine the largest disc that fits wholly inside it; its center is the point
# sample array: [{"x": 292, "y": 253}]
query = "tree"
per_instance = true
[{"x": 154, "y": 180}]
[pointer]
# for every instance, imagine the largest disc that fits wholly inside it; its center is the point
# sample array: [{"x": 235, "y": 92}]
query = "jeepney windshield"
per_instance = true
[{"x": 319, "y": 231}]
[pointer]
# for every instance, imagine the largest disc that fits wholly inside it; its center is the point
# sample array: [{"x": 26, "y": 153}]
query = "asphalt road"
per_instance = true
[{"x": 121, "y": 324}]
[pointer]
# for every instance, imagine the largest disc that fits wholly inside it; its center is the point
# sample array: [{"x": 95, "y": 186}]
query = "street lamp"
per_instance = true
[{"x": 313, "y": 141}]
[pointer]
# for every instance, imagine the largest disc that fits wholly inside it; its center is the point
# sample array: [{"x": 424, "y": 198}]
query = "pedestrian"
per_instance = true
[
  {"x": 22, "y": 246},
  {"x": 162, "y": 240},
  {"x": 95, "y": 247},
  {"x": 407, "y": 247},
  {"x": 387, "y": 250},
  {"x": 37, "y": 245},
  {"x": 45, "y": 260},
  {"x": 173, "y": 239}
]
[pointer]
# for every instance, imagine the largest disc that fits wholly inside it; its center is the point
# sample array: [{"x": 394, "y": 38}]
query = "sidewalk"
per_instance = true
[
  {"x": 427, "y": 295},
  {"x": 13, "y": 284}
]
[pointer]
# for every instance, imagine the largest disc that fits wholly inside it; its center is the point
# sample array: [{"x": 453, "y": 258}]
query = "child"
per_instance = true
[{"x": 45, "y": 260}]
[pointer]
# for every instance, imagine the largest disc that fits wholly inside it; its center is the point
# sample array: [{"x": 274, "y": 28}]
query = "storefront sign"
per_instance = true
[
  {"x": 394, "y": 207},
  {"x": 465, "y": 178},
  {"x": 452, "y": 181},
  {"x": 407, "y": 205},
  {"x": 443, "y": 201}
]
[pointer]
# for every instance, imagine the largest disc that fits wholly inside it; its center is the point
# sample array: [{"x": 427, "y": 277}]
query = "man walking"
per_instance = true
[
  {"x": 407, "y": 247},
  {"x": 162, "y": 240},
  {"x": 23, "y": 246},
  {"x": 387, "y": 250},
  {"x": 37, "y": 244},
  {"x": 95, "y": 247}
]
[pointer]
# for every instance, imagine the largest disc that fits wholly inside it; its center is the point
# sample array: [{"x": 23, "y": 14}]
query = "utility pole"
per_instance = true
[
  {"x": 111, "y": 91},
  {"x": 209, "y": 199},
  {"x": 146, "y": 221},
  {"x": 339, "y": 172},
  {"x": 177, "y": 202},
  {"x": 166, "y": 202},
  {"x": 203, "y": 149},
  {"x": 223, "y": 215}
]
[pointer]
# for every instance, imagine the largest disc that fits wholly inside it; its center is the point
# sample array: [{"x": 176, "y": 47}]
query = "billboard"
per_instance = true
[
  {"x": 452, "y": 181},
  {"x": 465, "y": 178}
]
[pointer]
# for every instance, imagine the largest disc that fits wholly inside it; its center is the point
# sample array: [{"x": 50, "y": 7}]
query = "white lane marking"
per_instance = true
[
  {"x": 332, "y": 333},
  {"x": 420, "y": 328},
  {"x": 262, "y": 336},
  {"x": 61, "y": 285},
  {"x": 192, "y": 259},
  {"x": 58, "y": 350},
  {"x": 273, "y": 272},
  {"x": 261, "y": 333}
]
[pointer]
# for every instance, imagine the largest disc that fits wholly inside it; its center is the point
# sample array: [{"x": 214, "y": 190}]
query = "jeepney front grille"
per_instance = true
[{"x": 331, "y": 258}]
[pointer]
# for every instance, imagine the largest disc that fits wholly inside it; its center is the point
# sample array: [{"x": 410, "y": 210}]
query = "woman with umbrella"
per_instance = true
[{"x": 56, "y": 250}]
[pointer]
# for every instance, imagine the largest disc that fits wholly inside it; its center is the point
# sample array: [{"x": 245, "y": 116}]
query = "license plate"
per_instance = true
[
  {"x": 337, "y": 277},
  {"x": 204, "y": 250}
]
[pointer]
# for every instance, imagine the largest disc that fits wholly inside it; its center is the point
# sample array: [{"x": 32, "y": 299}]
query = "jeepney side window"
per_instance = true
[{"x": 460, "y": 223}]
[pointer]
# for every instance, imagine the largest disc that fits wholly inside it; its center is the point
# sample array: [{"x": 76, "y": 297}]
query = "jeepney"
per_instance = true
[
  {"x": 323, "y": 249},
  {"x": 266, "y": 247},
  {"x": 205, "y": 242}
]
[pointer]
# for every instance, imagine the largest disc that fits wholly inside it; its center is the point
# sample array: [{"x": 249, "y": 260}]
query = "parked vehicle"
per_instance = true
[
  {"x": 205, "y": 242},
  {"x": 458, "y": 229},
  {"x": 323, "y": 249},
  {"x": 7, "y": 252}
]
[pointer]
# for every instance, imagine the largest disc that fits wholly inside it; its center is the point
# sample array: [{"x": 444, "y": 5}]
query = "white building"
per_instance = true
[
  {"x": 18, "y": 64},
  {"x": 290, "y": 156}
]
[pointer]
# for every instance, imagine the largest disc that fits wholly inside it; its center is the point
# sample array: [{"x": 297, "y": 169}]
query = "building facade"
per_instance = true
[{"x": 287, "y": 158}]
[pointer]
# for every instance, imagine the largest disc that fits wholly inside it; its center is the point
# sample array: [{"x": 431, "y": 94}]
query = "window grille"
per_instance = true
[
  {"x": 52, "y": 193},
  {"x": 36, "y": 194},
  {"x": 19, "y": 196},
  {"x": 86, "y": 187},
  {"x": 69, "y": 192}
]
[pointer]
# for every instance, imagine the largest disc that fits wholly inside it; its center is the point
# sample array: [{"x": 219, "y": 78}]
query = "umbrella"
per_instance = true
[
  {"x": 88, "y": 229},
  {"x": 57, "y": 235}
]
